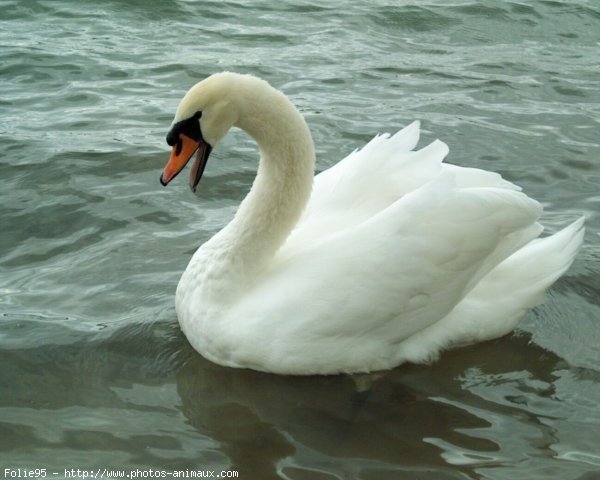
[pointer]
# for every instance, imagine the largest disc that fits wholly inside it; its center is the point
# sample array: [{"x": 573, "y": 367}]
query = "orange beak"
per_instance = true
[{"x": 180, "y": 156}]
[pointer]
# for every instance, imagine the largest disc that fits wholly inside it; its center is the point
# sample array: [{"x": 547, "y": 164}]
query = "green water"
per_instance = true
[{"x": 94, "y": 372}]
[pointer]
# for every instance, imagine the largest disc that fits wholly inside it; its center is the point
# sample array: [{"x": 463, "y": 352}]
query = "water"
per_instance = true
[{"x": 94, "y": 372}]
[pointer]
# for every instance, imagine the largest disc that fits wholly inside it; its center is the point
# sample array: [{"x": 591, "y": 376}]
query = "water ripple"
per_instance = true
[{"x": 92, "y": 247}]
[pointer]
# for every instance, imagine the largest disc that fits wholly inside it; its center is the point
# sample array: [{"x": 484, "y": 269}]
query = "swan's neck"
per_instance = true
[{"x": 278, "y": 195}]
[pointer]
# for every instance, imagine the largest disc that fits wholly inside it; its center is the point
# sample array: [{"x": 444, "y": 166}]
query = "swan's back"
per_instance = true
[
  {"x": 371, "y": 179},
  {"x": 397, "y": 257}
]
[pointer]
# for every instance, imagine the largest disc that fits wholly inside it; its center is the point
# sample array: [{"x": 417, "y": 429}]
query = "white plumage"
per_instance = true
[{"x": 392, "y": 256}]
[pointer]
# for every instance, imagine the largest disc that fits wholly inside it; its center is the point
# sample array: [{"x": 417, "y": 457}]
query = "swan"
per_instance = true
[{"x": 389, "y": 256}]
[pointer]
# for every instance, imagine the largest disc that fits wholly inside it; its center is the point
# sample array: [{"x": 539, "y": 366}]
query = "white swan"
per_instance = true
[{"x": 387, "y": 257}]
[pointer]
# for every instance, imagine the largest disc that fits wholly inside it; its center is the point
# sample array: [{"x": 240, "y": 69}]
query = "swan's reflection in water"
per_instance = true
[
  {"x": 140, "y": 397},
  {"x": 351, "y": 427}
]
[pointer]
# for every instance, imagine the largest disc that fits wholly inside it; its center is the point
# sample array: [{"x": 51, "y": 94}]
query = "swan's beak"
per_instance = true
[
  {"x": 181, "y": 154},
  {"x": 197, "y": 170}
]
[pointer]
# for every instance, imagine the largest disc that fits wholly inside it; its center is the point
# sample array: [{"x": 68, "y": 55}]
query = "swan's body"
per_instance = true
[{"x": 387, "y": 257}]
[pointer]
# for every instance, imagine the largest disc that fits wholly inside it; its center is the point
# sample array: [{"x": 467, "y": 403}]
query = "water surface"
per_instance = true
[{"x": 94, "y": 372}]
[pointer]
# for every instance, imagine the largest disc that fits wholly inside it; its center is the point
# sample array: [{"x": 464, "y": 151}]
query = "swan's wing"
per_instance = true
[
  {"x": 371, "y": 179},
  {"x": 501, "y": 298},
  {"x": 371, "y": 164},
  {"x": 396, "y": 273}
]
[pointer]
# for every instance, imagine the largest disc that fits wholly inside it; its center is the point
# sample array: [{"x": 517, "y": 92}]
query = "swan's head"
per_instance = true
[{"x": 205, "y": 114}]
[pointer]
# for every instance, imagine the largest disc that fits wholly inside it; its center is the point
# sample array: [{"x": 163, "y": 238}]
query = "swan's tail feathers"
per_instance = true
[
  {"x": 520, "y": 282},
  {"x": 495, "y": 305},
  {"x": 542, "y": 261}
]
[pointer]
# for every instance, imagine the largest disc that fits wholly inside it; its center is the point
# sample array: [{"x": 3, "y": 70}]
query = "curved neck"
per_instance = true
[{"x": 280, "y": 191}]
